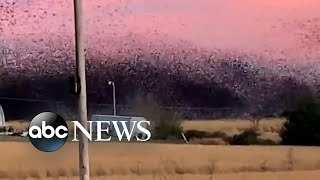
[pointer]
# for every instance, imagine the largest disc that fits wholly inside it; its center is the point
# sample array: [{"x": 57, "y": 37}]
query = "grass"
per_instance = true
[
  {"x": 269, "y": 129},
  {"x": 297, "y": 175},
  {"x": 4, "y": 138},
  {"x": 151, "y": 161},
  {"x": 224, "y": 125},
  {"x": 147, "y": 160},
  {"x": 234, "y": 125}
]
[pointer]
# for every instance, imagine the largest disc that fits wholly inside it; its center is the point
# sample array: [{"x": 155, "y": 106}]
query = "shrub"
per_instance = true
[
  {"x": 248, "y": 137},
  {"x": 267, "y": 142},
  {"x": 219, "y": 134},
  {"x": 168, "y": 126},
  {"x": 195, "y": 134},
  {"x": 191, "y": 134},
  {"x": 209, "y": 141},
  {"x": 303, "y": 124},
  {"x": 165, "y": 124}
]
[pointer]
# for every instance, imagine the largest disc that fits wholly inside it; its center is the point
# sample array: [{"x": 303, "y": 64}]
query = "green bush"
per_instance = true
[
  {"x": 267, "y": 142},
  {"x": 248, "y": 137},
  {"x": 303, "y": 124},
  {"x": 219, "y": 134},
  {"x": 190, "y": 134},
  {"x": 168, "y": 126},
  {"x": 165, "y": 124}
]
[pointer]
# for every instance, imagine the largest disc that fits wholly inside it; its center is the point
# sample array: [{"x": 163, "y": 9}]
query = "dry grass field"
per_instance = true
[
  {"x": 269, "y": 128},
  {"x": 148, "y": 161},
  {"x": 224, "y": 125},
  {"x": 162, "y": 161},
  {"x": 234, "y": 126}
]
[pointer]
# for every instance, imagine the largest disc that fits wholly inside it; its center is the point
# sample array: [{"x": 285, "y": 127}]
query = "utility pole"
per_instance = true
[{"x": 82, "y": 92}]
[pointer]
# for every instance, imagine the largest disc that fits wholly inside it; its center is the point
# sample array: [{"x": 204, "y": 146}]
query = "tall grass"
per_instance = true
[{"x": 116, "y": 159}]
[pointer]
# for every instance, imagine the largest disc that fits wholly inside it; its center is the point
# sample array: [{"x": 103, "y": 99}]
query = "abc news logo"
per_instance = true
[{"x": 48, "y": 131}]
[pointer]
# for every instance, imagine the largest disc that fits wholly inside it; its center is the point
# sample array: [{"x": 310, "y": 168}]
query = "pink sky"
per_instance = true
[{"x": 282, "y": 28}]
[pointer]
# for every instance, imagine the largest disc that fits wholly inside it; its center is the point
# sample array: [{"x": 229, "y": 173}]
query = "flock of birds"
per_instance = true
[{"x": 174, "y": 70}]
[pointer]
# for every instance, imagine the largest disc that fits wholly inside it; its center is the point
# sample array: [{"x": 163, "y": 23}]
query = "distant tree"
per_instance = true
[
  {"x": 303, "y": 124},
  {"x": 165, "y": 123},
  {"x": 291, "y": 92},
  {"x": 168, "y": 127}
]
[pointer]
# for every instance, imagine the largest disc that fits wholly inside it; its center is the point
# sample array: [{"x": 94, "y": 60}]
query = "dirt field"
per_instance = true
[{"x": 162, "y": 161}]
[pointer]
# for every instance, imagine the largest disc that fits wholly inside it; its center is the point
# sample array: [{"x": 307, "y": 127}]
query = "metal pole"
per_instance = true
[
  {"x": 82, "y": 96},
  {"x": 114, "y": 99}
]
